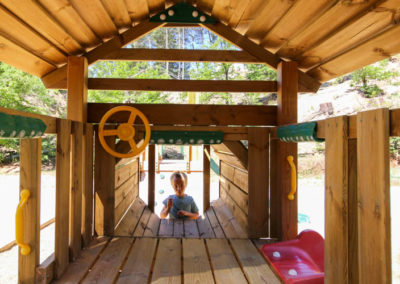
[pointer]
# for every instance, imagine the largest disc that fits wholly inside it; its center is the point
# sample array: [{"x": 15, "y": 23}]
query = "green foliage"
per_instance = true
[
  {"x": 377, "y": 72},
  {"x": 395, "y": 148}
]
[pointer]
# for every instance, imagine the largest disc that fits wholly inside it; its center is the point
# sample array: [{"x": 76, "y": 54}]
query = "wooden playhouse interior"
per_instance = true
[{"x": 104, "y": 233}]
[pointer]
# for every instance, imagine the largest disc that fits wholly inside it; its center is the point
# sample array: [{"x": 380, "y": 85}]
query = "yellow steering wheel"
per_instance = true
[{"x": 125, "y": 132}]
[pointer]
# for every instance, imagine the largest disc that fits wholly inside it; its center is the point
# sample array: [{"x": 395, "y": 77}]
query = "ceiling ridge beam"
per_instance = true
[
  {"x": 306, "y": 82},
  {"x": 180, "y": 55},
  {"x": 59, "y": 76}
]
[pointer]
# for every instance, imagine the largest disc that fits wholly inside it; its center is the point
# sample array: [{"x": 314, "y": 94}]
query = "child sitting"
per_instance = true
[{"x": 179, "y": 205}]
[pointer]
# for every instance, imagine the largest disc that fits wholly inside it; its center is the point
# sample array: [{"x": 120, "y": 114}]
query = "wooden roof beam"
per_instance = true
[
  {"x": 306, "y": 82},
  {"x": 59, "y": 76},
  {"x": 195, "y": 115},
  {"x": 180, "y": 55}
]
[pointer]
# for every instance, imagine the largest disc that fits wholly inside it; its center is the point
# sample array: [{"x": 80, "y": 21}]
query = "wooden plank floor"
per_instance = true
[
  {"x": 170, "y": 260},
  {"x": 217, "y": 222}
]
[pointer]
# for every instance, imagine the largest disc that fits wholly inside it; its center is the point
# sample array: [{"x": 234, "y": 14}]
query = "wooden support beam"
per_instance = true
[
  {"x": 374, "y": 239},
  {"x": 77, "y": 171},
  {"x": 283, "y": 210},
  {"x": 45, "y": 271},
  {"x": 337, "y": 192},
  {"x": 77, "y": 70},
  {"x": 306, "y": 83},
  {"x": 180, "y": 55},
  {"x": 59, "y": 76},
  {"x": 173, "y": 114},
  {"x": 151, "y": 176},
  {"x": 30, "y": 170},
  {"x": 238, "y": 149},
  {"x": 63, "y": 182},
  {"x": 87, "y": 194},
  {"x": 206, "y": 177},
  {"x": 104, "y": 184},
  {"x": 353, "y": 208},
  {"x": 172, "y": 85},
  {"x": 258, "y": 168},
  {"x": 48, "y": 120}
]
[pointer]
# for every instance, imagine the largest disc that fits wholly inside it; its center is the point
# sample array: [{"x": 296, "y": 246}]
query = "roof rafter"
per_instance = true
[{"x": 306, "y": 82}]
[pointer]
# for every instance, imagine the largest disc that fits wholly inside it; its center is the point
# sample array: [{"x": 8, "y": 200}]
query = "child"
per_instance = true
[{"x": 179, "y": 205}]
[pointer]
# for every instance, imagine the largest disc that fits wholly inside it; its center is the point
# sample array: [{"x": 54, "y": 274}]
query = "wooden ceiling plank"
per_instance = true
[
  {"x": 40, "y": 20},
  {"x": 29, "y": 39},
  {"x": 306, "y": 83},
  {"x": 155, "y": 6},
  {"x": 223, "y": 10},
  {"x": 180, "y": 55},
  {"x": 251, "y": 12},
  {"x": 64, "y": 13},
  {"x": 20, "y": 58},
  {"x": 196, "y": 115},
  {"x": 58, "y": 77},
  {"x": 304, "y": 11},
  {"x": 228, "y": 86},
  {"x": 238, "y": 13},
  {"x": 335, "y": 19},
  {"x": 138, "y": 10},
  {"x": 378, "y": 48},
  {"x": 266, "y": 19},
  {"x": 118, "y": 12},
  {"x": 96, "y": 16},
  {"x": 205, "y": 5},
  {"x": 360, "y": 30}
]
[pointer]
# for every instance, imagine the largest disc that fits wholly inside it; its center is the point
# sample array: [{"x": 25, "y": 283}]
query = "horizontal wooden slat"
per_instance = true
[
  {"x": 240, "y": 216},
  {"x": 180, "y": 55},
  {"x": 191, "y": 114},
  {"x": 123, "y": 191},
  {"x": 122, "y": 174},
  {"x": 240, "y": 197},
  {"x": 229, "y": 159},
  {"x": 178, "y": 85}
]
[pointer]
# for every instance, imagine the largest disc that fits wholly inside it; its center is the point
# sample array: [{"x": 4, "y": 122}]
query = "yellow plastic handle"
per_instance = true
[
  {"x": 293, "y": 178},
  {"x": 19, "y": 223}
]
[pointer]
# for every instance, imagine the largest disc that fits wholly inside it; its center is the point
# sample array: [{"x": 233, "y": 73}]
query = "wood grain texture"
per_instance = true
[
  {"x": 166, "y": 228},
  {"x": 205, "y": 229},
  {"x": 138, "y": 265},
  {"x": 131, "y": 219},
  {"x": 104, "y": 188},
  {"x": 258, "y": 196},
  {"x": 206, "y": 177},
  {"x": 45, "y": 271},
  {"x": 336, "y": 200},
  {"x": 152, "y": 176},
  {"x": 77, "y": 82},
  {"x": 219, "y": 233},
  {"x": 373, "y": 191},
  {"x": 254, "y": 265},
  {"x": 152, "y": 226},
  {"x": 191, "y": 230},
  {"x": 224, "y": 264},
  {"x": 167, "y": 267},
  {"x": 63, "y": 184},
  {"x": 179, "y": 231},
  {"x": 231, "y": 227},
  {"x": 240, "y": 197},
  {"x": 30, "y": 171},
  {"x": 87, "y": 195},
  {"x": 79, "y": 268},
  {"x": 77, "y": 181},
  {"x": 108, "y": 265},
  {"x": 196, "y": 266},
  {"x": 353, "y": 212},
  {"x": 141, "y": 226},
  {"x": 283, "y": 210},
  {"x": 239, "y": 150},
  {"x": 192, "y": 114}
]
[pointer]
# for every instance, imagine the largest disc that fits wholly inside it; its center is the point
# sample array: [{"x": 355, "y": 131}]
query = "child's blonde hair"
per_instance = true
[{"x": 178, "y": 175}]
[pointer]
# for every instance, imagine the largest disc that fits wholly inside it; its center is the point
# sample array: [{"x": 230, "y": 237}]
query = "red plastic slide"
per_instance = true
[{"x": 299, "y": 261}]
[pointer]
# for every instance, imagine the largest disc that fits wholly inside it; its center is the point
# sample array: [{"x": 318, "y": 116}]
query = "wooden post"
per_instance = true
[
  {"x": 336, "y": 200},
  {"x": 258, "y": 168},
  {"x": 30, "y": 170},
  {"x": 62, "y": 195},
  {"x": 77, "y": 81},
  {"x": 152, "y": 176},
  {"x": 283, "y": 210},
  {"x": 104, "y": 184},
  {"x": 87, "y": 196},
  {"x": 353, "y": 212},
  {"x": 206, "y": 177},
  {"x": 374, "y": 240},
  {"x": 75, "y": 218}
]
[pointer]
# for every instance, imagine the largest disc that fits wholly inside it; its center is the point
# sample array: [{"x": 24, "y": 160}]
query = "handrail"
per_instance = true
[
  {"x": 293, "y": 178},
  {"x": 19, "y": 223}
]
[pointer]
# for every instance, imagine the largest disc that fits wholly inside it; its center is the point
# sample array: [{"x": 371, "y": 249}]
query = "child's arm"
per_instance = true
[
  {"x": 190, "y": 215},
  {"x": 165, "y": 211}
]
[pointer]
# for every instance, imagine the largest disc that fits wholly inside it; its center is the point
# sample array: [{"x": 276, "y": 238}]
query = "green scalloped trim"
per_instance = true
[
  {"x": 15, "y": 126},
  {"x": 301, "y": 132},
  {"x": 182, "y": 13},
  {"x": 186, "y": 137}
]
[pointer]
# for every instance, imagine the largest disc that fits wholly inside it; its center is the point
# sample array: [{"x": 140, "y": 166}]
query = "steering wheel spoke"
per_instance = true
[
  {"x": 132, "y": 117},
  {"x": 110, "y": 132},
  {"x": 133, "y": 145}
]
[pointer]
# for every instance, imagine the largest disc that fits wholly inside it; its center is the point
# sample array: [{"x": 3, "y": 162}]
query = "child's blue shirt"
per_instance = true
[{"x": 185, "y": 203}]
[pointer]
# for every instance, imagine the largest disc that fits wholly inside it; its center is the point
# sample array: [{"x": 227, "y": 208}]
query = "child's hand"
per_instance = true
[
  {"x": 170, "y": 203},
  {"x": 182, "y": 213}
]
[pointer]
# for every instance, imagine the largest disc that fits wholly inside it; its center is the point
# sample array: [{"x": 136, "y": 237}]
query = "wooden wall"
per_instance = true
[
  {"x": 126, "y": 185},
  {"x": 233, "y": 191}
]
